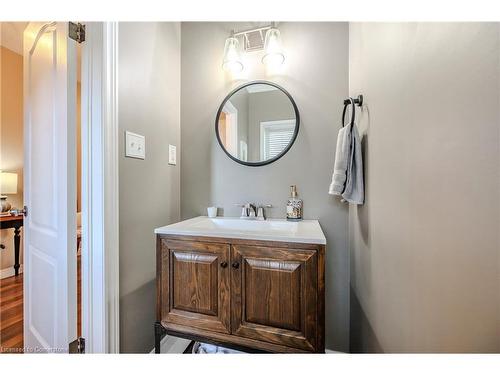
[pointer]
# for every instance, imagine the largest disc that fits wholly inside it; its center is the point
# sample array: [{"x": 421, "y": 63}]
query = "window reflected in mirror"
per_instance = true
[{"x": 257, "y": 123}]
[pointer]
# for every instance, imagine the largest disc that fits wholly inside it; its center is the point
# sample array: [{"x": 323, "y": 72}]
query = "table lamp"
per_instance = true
[{"x": 8, "y": 185}]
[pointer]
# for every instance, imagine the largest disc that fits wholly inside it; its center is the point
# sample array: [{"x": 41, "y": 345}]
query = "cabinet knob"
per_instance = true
[
  {"x": 223, "y": 264},
  {"x": 235, "y": 265}
]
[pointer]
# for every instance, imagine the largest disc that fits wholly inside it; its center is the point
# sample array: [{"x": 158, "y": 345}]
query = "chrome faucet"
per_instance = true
[{"x": 250, "y": 211}]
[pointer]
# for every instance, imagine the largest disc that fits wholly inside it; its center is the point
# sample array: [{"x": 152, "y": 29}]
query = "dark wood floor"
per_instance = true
[{"x": 11, "y": 312}]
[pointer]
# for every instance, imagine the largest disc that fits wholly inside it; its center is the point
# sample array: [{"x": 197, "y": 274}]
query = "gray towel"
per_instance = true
[
  {"x": 341, "y": 162},
  {"x": 354, "y": 191}
]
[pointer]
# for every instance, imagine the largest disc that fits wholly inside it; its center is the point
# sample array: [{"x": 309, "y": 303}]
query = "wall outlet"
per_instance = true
[
  {"x": 172, "y": 155},
  {"x": 135, "y": 145}
]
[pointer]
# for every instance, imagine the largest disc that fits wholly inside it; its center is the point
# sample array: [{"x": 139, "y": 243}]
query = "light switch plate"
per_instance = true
[
  {"x": 172, "y": 155},
  {"x": 135, "y": 145}
]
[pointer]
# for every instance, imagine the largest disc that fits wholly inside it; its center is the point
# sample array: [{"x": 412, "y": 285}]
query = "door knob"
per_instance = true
[
  {"x": 235, "y": 265},
  {"x": 223, "y": 264},
  {"x": 17, "y": 212}
]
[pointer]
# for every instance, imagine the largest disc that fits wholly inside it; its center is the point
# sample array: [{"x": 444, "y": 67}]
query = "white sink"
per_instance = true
[{"x": 305, "y": 231}]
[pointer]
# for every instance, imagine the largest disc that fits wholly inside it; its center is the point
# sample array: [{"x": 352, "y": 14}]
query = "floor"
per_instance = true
[{"x": 11, "y": 312}]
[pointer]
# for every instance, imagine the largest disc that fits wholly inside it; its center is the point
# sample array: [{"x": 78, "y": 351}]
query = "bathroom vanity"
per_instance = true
[{"x": 245, "y": 284}]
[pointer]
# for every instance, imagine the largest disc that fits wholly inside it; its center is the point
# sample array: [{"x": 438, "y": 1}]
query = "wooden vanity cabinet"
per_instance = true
[
  {"x": 252, "y": 295},
  {"x": 195, "y": 284}
]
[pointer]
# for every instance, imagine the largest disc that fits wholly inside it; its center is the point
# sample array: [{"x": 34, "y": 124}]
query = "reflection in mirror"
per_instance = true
[{"x": 257, "y": 123}]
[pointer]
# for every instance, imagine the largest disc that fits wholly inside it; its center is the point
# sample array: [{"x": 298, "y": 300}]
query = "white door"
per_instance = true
[{"x": 49, "y": 187}]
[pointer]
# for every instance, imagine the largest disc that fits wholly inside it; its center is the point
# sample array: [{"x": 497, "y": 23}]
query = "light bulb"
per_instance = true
[
  {"x": 232, "y": 59},
  {"x": 273, "y": 50}
]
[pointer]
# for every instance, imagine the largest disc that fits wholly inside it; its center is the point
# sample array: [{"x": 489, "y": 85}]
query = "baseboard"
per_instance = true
[
  {"x": 8, "y": 272},
  {"x": 173, "y": 345},
  {"x": 329, "y": 351}
]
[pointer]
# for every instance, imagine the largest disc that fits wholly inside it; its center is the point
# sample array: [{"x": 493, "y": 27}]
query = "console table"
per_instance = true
[{"x": 15, "y": 222}]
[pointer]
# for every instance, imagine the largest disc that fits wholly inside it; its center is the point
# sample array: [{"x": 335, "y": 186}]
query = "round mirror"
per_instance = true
[{"x": 257, "y": 123}]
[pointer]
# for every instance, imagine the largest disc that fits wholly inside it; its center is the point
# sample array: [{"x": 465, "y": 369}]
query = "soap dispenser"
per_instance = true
[{"x": 294, "y": 206}]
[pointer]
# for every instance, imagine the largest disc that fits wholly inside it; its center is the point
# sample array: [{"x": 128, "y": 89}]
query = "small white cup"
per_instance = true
[{"x": 212, "y": 211}]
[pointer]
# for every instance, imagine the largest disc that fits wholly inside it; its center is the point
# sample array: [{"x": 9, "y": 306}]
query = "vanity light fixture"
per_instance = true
[
  {"x": 266, "y": 38},
  {"x": 273, "y": 50},
  {"x": 232, "y": 59}
]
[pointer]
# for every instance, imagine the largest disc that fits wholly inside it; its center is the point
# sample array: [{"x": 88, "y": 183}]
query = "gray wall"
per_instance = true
[
  {"x": 425, "y": 249},
  {"x": 240, "y": 102},
  {"x": 316, "y": 75},
  {"x": 149, "y": 104},
  {"x": 265, "y": 106}
]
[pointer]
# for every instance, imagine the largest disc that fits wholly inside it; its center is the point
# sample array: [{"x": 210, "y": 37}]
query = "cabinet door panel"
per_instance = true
[
  {"x": 275, "y": 281},
  {"x": 274, "y": 295},
  {"x": 195, "y": 284}
]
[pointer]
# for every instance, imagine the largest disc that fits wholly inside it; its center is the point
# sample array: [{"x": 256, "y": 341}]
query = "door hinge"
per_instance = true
[
  {"x": 77, "y": 32},
  {"x": 77, "y": 346}
]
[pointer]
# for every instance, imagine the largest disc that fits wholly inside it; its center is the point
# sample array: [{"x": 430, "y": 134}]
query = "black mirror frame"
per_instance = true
[{"x": 295, "y": 133}]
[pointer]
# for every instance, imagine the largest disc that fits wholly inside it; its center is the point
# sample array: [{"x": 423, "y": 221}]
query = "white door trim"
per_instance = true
[
  {"x": 100, "y": 282},
  {"x": 231, "y": 128}
]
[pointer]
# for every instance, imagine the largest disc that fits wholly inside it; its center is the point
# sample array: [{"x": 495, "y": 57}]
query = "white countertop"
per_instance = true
[{"x": 305, "y": 231}]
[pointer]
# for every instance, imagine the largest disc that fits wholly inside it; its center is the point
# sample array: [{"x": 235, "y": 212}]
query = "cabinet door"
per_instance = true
[
  {"x": 195, "y": 284},
  {"x": 274, "y": 295}
]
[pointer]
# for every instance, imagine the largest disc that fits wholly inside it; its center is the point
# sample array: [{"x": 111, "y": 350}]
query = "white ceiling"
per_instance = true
[
  {"x": 11, "y": 35},
  {"x": 260, "y": 88}
]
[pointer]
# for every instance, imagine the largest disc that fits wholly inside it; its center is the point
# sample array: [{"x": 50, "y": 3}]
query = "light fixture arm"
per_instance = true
[{"x": 261, "y": 29}]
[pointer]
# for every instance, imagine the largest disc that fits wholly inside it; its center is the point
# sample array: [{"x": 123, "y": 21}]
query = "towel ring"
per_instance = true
[{"x": 358, "y": 101}]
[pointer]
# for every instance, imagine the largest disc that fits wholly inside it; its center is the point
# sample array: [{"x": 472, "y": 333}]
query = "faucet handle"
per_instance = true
[
  {"x": 260, "y": 211},
  {"x": 248, "y": 210},
  {"x": 244, "y": 211}
]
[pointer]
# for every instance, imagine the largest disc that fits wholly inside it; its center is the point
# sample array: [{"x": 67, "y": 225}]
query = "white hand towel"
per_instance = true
[
  {"x": 341, "y": 162},
  {"x": 354, "y": 191}
]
